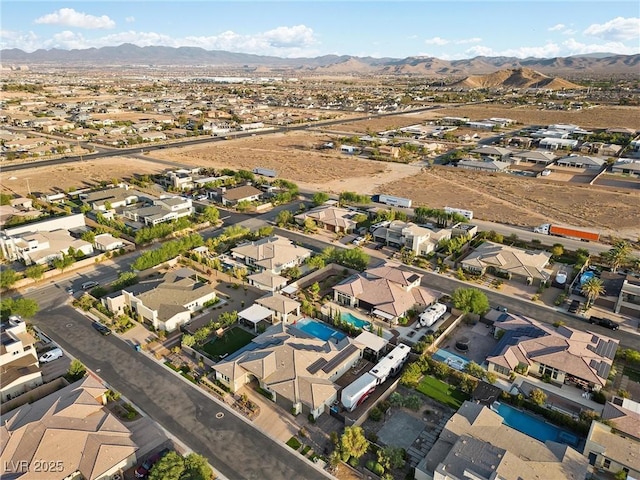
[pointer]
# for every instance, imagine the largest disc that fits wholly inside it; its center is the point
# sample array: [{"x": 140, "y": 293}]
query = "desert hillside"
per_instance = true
[{"x": 516, "y": 78}]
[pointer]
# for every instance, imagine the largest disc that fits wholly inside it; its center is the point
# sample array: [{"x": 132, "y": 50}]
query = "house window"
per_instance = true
[
  {"x": 606, "y": 463},
  {"x": 343, "y": 298}
]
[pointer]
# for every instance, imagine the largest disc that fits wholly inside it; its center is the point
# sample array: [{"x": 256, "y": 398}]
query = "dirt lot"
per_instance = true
[
  {"x": 76, "y": 175},
  {"x": 514, "y": 200}
]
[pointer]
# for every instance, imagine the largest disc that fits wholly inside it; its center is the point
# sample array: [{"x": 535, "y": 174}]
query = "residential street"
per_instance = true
[{"x": 234, "y": 447}]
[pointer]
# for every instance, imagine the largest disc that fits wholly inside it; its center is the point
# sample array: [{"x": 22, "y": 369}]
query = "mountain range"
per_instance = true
[{"x": 129, "y": 54}]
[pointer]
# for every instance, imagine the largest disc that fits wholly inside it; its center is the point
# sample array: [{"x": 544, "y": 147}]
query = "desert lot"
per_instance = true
[{"x": 609, "y": 208}]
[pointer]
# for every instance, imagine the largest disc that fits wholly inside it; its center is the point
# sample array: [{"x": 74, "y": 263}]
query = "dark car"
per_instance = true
[
  {"x": 604, "y": 322},
  {"x": 575, "y": 305},
  {"x": 143, "y": 470},
  {"x": 103, "y": 329}
]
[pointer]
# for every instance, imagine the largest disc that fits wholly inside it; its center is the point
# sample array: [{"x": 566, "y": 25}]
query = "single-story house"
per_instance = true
[
  {"x": 334, "y": 219},
  {"x": 484, "y": 166},
  {"x": 612, "y": 451},
  {"x": 579, "y": 161},
  {"x": 626, "y": 166},
  {"x": 246, "y": 193},
  {"x": 272, "y": 254}
]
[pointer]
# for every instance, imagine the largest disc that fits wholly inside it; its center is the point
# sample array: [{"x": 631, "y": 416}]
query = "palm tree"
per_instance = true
[
  {"x": 592, "y": 289},
  {"x": 619, "y": 254}
]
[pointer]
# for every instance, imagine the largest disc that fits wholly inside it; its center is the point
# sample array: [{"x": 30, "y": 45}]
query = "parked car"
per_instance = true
[
  {"x": 143, "y": 470},
  {"x": 70, "y": 291},
  {"x": 575, "y": 305},
  {"x": 358, "y": 241},
  {"x": 103, "y": 329},
  {"x": 51, "y": 355},
  {"x": 90, "y": 284},
  {"x": 604, "y": 322}
]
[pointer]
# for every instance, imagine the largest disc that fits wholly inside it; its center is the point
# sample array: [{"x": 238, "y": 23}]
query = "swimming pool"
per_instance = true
[
  {"x": 534, "y": 427},
  {"x": 355, "y": 321},
  {"x": 586, "y": 276},
  {"x": 318, "y": 329}
]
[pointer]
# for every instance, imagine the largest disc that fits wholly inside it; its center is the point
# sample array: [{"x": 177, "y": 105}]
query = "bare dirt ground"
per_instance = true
[
  {"x": 514, "y": 200},
  {"x": 77, "y": 175}
]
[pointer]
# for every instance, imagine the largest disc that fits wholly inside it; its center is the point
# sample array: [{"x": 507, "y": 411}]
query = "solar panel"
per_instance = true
[
  {"x": 339, "y": 358},
  {"x": 317, "y": 365}
]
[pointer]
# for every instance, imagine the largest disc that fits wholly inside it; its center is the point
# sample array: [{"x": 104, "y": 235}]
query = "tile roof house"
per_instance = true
[
  {"x": 419, "y": 240},
  {"x": 563, "y": 355},
  {"x": 19, "y": 367},
  {"x": 623, "y": 415},
  {"x": 387, "y": 292},
  {"x": 612, "y": 451},
  {"x": 334, "y": 219},
  {"x": 165, "y": 304},
  {"x": 116, "y": 197},
  {"x": 272, "y": 254},
  {"x": 298, "y": 371},
  {"x": 71, "y": 431},
  {"x": 246, "y": 193},
  {"x": 525, "y": 265},
  {"x": 476, "y": 444}
]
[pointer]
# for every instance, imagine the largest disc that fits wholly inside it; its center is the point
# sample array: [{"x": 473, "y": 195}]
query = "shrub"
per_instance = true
[
  {"x": 375, "y": 467},
  {"x": 599, "y": 397},
  {"x": 375, "y": 414}
]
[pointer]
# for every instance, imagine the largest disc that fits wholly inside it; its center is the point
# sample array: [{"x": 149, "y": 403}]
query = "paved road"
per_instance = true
[{"x": 234, "y": 447}]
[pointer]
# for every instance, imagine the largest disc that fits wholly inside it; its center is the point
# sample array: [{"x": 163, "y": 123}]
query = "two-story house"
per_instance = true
[{"x": 19, "y": 367}]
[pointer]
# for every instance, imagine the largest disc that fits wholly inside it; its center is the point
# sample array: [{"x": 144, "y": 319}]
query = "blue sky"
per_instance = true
[{"x": 445, "y": 29}]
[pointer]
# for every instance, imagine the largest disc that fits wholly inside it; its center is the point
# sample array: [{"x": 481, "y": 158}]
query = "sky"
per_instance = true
[{"x": 448, "y": 30}]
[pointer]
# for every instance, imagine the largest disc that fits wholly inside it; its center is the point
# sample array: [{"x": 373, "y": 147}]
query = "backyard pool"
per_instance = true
[
  {"x": 355, "y": 321},
  {"x": 534, "y": 427},
  {"x": 318, "y": 329}
]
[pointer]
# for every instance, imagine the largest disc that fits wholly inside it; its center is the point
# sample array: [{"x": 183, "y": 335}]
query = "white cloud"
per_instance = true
[
  {"x": 130, "y": 19},
  {"x": 436, "y": 41},
  {"x": 27, "y": 41},
  {"x": 68, "y": 17},
  {"x": 619, "y": 29},
  {"x": 557, "y": 28},
  {"x": 544, "y": 51},
  {"x": 577, "y": 48}
]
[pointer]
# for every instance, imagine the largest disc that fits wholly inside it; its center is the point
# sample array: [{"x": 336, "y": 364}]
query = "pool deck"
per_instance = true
[{"x": 564, "y": 397}]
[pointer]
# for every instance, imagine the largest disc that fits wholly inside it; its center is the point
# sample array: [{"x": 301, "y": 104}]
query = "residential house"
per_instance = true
[
  {"x": 165, "y": 304},
  {"x": 153, "y": 136},
  {"x": 611, "y": 450},
  {"x": 579, "y": 161},
  {"x": 180, "y": 179},
  {"x": 476, "y": 444},
  {"x": 163, "y": 210},
  {"x": 246, "y": 193},
  {"x": 267, "y": 281},
  {"x": 623, "y": 415},
  {"x": 271, "y": 254},
  {"x": 621, "y": 294},
  {"x": 282, "y": 307},
  {"x": 299, "y": 372},
  {"x": 105, "y": 242},
  {"x": 419, "y": 240},
  {"x": 550, "y": 143},
  {"x": 489, "y": 153},
  {"x": 537, "y": 157},
  {"x": 510, "y": 262},
  {"x": 331, "y": 218},
  {"x": 19, "y": 367},
  {"x": 484, "y": 166},
  {"x": 114, "y": 197},
  {"x": 562, "y": 355},
  {"x": 626, "y": 166},
  {"x": 70, "y": 434},
  {"x": 387, "y": 292},
  {"x": 43, "y": 247}
]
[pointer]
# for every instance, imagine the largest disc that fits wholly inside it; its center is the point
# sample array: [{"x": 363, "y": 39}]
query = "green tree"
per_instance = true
[
  {"x": 34, "y": 272},
  {"x": 169, "y": 467},
  {"x": 319, "y": 198},
  {"x": 411, "y": 375},
  {"x": 284, "y": 218},
  {"x": 62, "y": 263},
  {"x": 314, "y": 288},
  {"x": 211, "y": 214},
  {"x": 310, "y": 225},
  {"x": 8, "y": 277},
  {"x": 538, "y": 396},
  {"x": 5, "y": 199},
  {"x": 196, "y": 468},
  {"x": 353, "y": 443},
  {"x": 592, "y": 289},
  {"x": 188, "y": 340},
  {"x": 557, "y": 250},
  {"x": 316, "y": 262},
  {"x": 394, "y": 457},
  {"x": 470, "y": 300},
  {"x": 25, "y": 307},
  {"x": 618, "y": 255},
  {"x": 472, "y": 368},
  {"x": 76, "y": 370},
  {"x": 620, "y": 475}
]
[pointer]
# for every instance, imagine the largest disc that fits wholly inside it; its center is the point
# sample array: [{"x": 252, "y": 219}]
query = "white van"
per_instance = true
[{"x": 51, "y": 355}]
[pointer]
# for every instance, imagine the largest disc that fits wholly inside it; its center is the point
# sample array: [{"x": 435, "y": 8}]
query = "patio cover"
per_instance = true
[
  {"x": 255, "y": 313},
  {"x": 382, "y": 314},
  {"x": 371, "y": 341},
  {"x": 290, "y": 289}
]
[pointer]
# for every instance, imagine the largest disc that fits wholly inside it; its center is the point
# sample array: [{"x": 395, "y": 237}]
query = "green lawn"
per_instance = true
[
  {"x": 442, "y": 392},
  {"x": 632, "y": 373},
  {"x": 231, "y": 341}
]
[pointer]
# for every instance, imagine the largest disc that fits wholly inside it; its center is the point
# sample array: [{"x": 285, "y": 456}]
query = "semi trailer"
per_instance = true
[{"x": 568, "y": 232}]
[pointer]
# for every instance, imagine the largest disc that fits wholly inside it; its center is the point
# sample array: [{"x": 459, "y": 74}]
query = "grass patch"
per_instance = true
[
  {"x": 633, "y": 374},
  {"x": 442, "y": 392},
  {"x": 231, "y": 341},
  {"x": 306, "y": 449},
  {"x": 294, "y": 443}
]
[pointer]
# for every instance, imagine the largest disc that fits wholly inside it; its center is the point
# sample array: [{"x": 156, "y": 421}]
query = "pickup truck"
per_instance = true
[{"x": 604, "y": 322}]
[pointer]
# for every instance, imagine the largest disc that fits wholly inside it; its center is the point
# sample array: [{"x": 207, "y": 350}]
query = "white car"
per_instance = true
[
  {"x": 51, "y": 355},
  {"x": 358, "y": 241}
]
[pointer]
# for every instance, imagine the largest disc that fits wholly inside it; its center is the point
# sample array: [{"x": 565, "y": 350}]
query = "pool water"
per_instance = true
[
  {"x": 586, "y": 276},
  {"x": 355, "y": 321},
  {"x": 318, "y": 329},
  {"x": 534, "y": 427}
]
